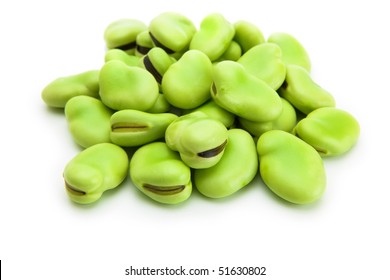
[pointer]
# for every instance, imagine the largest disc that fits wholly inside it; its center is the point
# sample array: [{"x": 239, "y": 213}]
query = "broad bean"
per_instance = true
[
  {"x": 241, "y": 93},
  {"x": 61, "y": 90},
  {"x": 127, "y": 87},
  {"x": 247, "y": 35},
  {"x": 172, "y": 32},
  {"x": 214, "y": 36},
  {"x": 121, "y": 34},
  {"x": 117, "y": 54},
  {"x": 265, "y": 62},
  {"x": 330, "y": 131},
  {"x": 159, "y": 173},
  {"x": 303, "y": 92},
  {"x": 131, "y": 128},
  {"x": 88, "y": 120},
  {"x": 213, "y": 111},
  {"x": 293, "y": 51},
  {"x": 230, "y": 175},
  {"x": 157, "y": 62},
  {"x": 144, "y": 43},
  {"x": 286, "y": 121},
  {"x": 186, "y": 83},
  {"x": 290, "y": 167},
  {"x": 199, "y": 139},
  {"x": 95, "y": 170}
]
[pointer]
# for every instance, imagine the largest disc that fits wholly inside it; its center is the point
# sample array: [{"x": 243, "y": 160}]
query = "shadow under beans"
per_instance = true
[
  {"x": 53, "y": 110},
  {"x": 106, "y": 197},
  {"x": 147, "y": 201},
  {"x": 284, "y": 203},
  {"x": 244, "y": 191},
  {"x": 152, "y": 203}
]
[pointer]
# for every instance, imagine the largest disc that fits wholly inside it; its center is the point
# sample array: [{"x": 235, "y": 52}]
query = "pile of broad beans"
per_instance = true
[{"x": 175, "y": 107}]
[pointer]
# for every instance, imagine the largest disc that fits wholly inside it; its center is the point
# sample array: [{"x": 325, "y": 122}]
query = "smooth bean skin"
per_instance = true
[
  {"x": 122, "y": 34},
  {"x": 230, "y": 175},
  {"x": 255, "y": 128},
  {"x": 286, "y": 121},
  {"x": 144, "y": 43},
  {"x": 161, "y": 105},
  {"x": 60, "y": 90},
  {"x": 233, "y": 52},
  {"x": 214, "y": 36},
  {"x": 127, "y": 87},
  {"x": 265, "y": 62},
  {"x": 172, "y": 32},
  {"x": 199, "y": 139},
  {"x": 330, "y": 131},
  {"x": 157, "y": 62},
  {"x": 186, "y": 83},
  {"x": 213, "y": 111},
  {"x": 242, "y": 94},
  {"x": 159, "y": 173},
  {"x": 247, "y": 35},
  {"x": 130, "y": 128},
  {"x": 117, "y": 54},
  {"x": 303, "y": 92},
  {"x": 88, "y": 120},
  {"x": 290, "y": 167},
  {"x": 95, "y": 170},
  {"x": 292, "y": 50}
]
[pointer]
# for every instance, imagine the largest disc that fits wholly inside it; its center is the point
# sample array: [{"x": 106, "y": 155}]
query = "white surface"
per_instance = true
[{"x": 44, "y": 236}]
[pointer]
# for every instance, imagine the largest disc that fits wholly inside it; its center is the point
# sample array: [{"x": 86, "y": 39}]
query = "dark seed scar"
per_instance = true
[
  {"x": 143, "y": 49},
  {"x": 73, "y": 190},
  {"x": 213, "y": 89},
  {"x": 158, "y": 44},
  {"x": 164, "y": 190},
  {"x": 150, "y": 67},
  {"x": 319, "y": 150},
  {"x": 128, "y": 127},
  {"x": 213, "y": 152},
  {"x": 127, "y": 47}
]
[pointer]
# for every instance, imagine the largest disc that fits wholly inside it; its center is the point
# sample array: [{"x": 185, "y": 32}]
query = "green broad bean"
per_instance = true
[
  {"x": 159, "y": 173},
  {"x": 144, "y": 43},
  {"x": 303, "y": 92},
  {"x": 130, "y": 128},
  {"x": 199, "y": 139},
  {"x": 117, "y": 54},
  {"x": 127, "y": 87},
  {"x": 95, "y": 170},
  {"x": 214, "y": 36},
  {"x": 330, "y": 131},
  {"x": 214, "y": 105},
  {"x": 233, "y": 52},
  {"x": 157, "y": 62},
  {"x": 172, "y": 32},
  {"x": 247, "y": 35},
  {"x": 265, "y": 62},
  {"x": 292, "y": 50},
  {"x": 186, "y": 83},
  {"x": 161, "y": 105},
  {"x": 88, "y": 120},
  {"x": 230, "y": 175},
  {"x": 213, "y": 111},
  {"x": 60, "y": 90},
  {"x": 286, "y": 121},
  {"x": 122, "y": 34},
  {"x": 244, "y": 95},
  {"x": 290, "y": 167},
  {"x": 255, "y": 128}
]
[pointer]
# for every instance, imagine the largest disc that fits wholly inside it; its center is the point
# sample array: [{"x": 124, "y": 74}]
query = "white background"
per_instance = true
[{"x": 45, "y": 236}]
